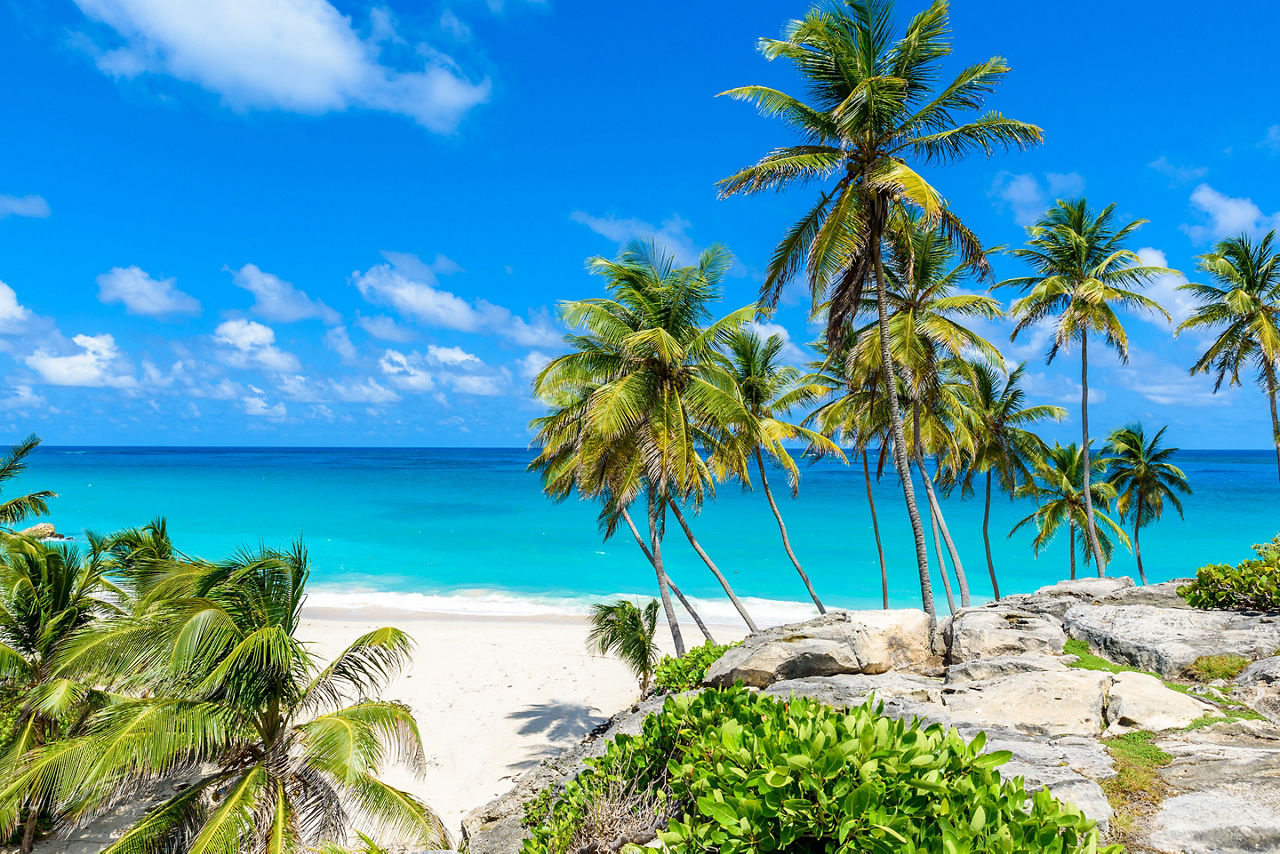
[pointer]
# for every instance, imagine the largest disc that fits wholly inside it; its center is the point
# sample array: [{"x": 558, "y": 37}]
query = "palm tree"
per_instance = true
[
  {"x": 1244, "y": 304},
  {"x": 622, "y": 629},
  {"x": 1003, "y": 445},
  {"x": 1081, "y": 274},
  {"x": 284, "y": 754},
  {"x": 767, "y": 388},
  {"x": 1144, "y": 479},
  {"x": 46, "y": 596},
  {"x": 646, "y": 393},
  {"x": 15, "y": 510},
  {"x": 872, "y": 105},
  {"x": 1057, "y": 487}
]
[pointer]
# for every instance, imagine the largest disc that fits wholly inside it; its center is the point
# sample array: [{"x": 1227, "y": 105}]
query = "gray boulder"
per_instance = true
[
  {"x": 1140, "y": 701},
  {"x": 1045, "y": 703},
  {"x": 840, "y": 642},
  {"x": 1167, "y": 641},
  {"x": 1002, "y": 665},
  {"x": 1162, "y": 595},
  {"x": 1263, "y": 672},
  {"x": 1055, "y": 599},
  {"x": 996, "y": 632}
]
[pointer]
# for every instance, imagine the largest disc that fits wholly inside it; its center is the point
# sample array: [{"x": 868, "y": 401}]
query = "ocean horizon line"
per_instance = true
[{"x": 1266, "y": 449}]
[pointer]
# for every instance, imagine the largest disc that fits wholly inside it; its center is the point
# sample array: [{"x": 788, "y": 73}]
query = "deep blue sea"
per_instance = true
[{"x": 469, "y": 529}]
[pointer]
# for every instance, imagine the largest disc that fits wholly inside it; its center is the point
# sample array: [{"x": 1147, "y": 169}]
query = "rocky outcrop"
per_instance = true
[
  {"x": 1167, "y": 641},
  {"x": 1140, "y": 701},
  {"x": 1051, "y": 704},
  {"x": 1057, "y": 598},
  {"x": 840, "y": 642},
  {"x": 39, "y": 531},
  {"x": 998, "y": 632},
  {"x": 1002, "y": 665}
]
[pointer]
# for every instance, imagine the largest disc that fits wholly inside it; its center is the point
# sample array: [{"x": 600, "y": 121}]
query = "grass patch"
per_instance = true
[
  {"x": 1207, "y": 668},
  {"x": 1086, "y": 660},
  {"x": 1137, "y": 789}
]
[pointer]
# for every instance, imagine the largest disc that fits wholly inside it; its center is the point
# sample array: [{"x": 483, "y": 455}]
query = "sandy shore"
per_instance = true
[{"x": 492, "y": 695}]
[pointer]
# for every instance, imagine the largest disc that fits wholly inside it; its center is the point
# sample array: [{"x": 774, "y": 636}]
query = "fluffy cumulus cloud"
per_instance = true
[
  {"x": 13, "y": 316},
  {"x": 1226, "y": 216},
  {"x": 411, "y": 287},
  {"x": 442, "y": 367},
  {"x": 672, "y": 233},
  {"x": 277, "y": 300},
  {"x": 1027, "y": 197},
  {"x": 140, "y": 293},
  {"x": 22, "y": 397},
  {"x": 384, "y": 327},
  {"x": 26, "y": 206},
  {"x": 1167, "y": 384},
  {"x": 255, "y": 404},
  {"x": 96, "y": 362},
  {"x": 1164, "y": 289},
  {"x": 299, "y": 55},
  {"x": 249, "y": 344}
]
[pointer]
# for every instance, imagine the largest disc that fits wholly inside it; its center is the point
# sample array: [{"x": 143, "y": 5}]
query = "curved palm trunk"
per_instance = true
[
  {"x": 1091, "y": 530},
  {"x": 656, "y": 525},
  {"x": 1073, "y": 552},
  {"x": 1275, "y": 422},
  {"x": 786, "y": 541},
  {"x": 895, "y": 418},
  {"x": 986, "y": 539},
  {"x": 728, "y": 591},
  {"x": 940, "y": 521},
  {"x": 875, "y": 527},
  {"x": 29, "y": 830},
  {"x": 1137, "y": 551},
  {"x": 937, "y": 551},
  {"x": 702, "y": 627}
]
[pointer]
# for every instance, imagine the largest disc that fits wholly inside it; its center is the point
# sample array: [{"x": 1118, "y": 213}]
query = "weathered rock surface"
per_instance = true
[
  {"x": 1265, "y": 671},
  {"x": 998, "y": 631},
  {"x": 1162, "y": 595},
  {"x": 1051, "y": 704},
  {"x": 1166, "y": 640},
  {"x": 1057, "y": 598},
  {"x": 1139, "y": 701},
  {"x": 1002, "y": 665},
  {"x": 39, "y": 531},
  {"x": 840, "y": 642}
]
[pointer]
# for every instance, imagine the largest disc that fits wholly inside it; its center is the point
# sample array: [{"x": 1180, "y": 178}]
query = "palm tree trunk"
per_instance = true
[
  {"x": 786, "y": 542},
  {"x": 737, "y": 604},
  {"x": 937, "y": 550},
  {"x": 941, "y": 522},
  {"x": 895, "y": 416},
  {"x": 1091, "y": 530},
  {"x": 671, "y": 584},
  {"x": 29, "y": 829},
  {"x": 875, "y": 527},
  {"x": 1137, "y": 551},
  {"x": 656, "y": 526},
  {"x": 1073, "y": 552},
  {"x": 1275, "y": 422},
  {"x": 986, "y": 539}
]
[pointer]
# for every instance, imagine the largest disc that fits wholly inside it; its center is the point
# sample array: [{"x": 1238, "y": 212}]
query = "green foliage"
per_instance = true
[
  {"x": 1086, "y": 660},
  {"x": 686, "y": 672},
  {"x": 1137, "y": 789},
  {"x": 622, "y": 629},
  {"x": 742, "y": 772},
  {"x": 1207, "y": 668},
  {"x": 1251, "y": 585}
]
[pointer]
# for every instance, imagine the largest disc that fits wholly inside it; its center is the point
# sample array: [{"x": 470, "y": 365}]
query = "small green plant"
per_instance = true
[
  {"x": 1251, "y": 585},
  {"x": 626, "y": 631},
  {"x": 1137, "y": 789},
  {"x": 1207, "y": 668},
  {"x": 687, "y": 672},
  {"x": 735, "y": 771},
  {"x": 1086, "y": 660}
]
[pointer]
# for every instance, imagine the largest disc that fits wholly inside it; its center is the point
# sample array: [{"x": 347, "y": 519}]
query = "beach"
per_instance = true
[{"x": 492, "y": 695}]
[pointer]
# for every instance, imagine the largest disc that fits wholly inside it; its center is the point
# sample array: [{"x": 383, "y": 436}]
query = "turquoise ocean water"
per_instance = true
[{"x": 468, "y": 529}]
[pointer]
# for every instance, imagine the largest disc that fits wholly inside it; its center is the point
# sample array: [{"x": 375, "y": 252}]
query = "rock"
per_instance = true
[
  {"x": 1140, "y": 701},
  {"x": 1163, "y": 595},
  {"x": 39, "y": 531},
  {"x": 997, "y": 632},
  {"x": 838, "y": 643},
  {"x": 1048, "y": 703},
  {"x": 1166, "y": 640},
  {"x": 1265, "y": 671},
  {"x": 1227, "y": 820},
  {"x": 1057, "y": 598},
  {"x": 851, "y": 690},
  {"x": 1002, "y": 665}
]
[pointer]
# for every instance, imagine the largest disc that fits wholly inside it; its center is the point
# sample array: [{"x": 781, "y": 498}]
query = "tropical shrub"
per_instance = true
[
  {"x": 625, "y": 630},
  {"x": 735, "y": 771},
  {"x": 686, "y": 672},
  {"x": 1251, "y": 585}
]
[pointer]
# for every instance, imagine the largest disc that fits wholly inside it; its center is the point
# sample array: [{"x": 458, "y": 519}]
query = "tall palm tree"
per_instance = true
[
  {"x": 1082, "y": 273},
  {"x": 1003, "y": 446},
  {"x": 284, "y": 753},
  {"x": 46, "y": 596},
  {"x": 1144, "y": 479},
  {"x": 647, "y": 391},
  {"x": 873, "y": 105},
  {"x": 620, "y": 628},
  {"x": 1243, "y": 306},
  {"x": 768, "y": 388},
  {"x": 15, "y": 510},
  {"x": 1057, "y": 487}
]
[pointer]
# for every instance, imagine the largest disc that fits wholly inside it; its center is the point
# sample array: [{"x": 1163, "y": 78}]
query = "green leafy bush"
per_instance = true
[
  {"x": 1251, "y": 585},
  {"x": 686, "y": 672},
  {"x": 734, "y": 771}
]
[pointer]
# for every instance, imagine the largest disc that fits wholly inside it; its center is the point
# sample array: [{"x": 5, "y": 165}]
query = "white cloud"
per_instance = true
[
  {"x": 384, "y": 327},
  {"x": 367, "y": 390},
  {"x": 477, "y": 385},
  {"x": 411, "y": 287},
  {"x": 297, "y": 55},
  {"x": 26, "y": 206},
  {"x": 1164, "y": 383},
  {"x": 97, "y": 364},
  {"x": 1027, "y": 198},
  {"x": 790, "y": 351},
  {"x": 451, "y": 356},
  {"x": 12, "y": 314},
  {"x": 1177, "y": 171},
  {"x": 532, "y": 363},
  {"x": 442, "y": 367},
  {"x": 1164, "y": 290},
  {"x": 337, "y": 340},
  {"x": 252, "y": 344},
  {"x": 21, "y": 398},
  {"x": 1056, "y": 388},
  {"x": 454, "y": 26},
  {"x": 405, "y": 373},
  {"x": 256, "y": 404},
  {"x": 1227, "y": 216},
  {"x": 673, "y": 233},
  {"x": 1272, "y": 140},
  {"x": 278, "y": 300},
  {"x": 141, "y": 294}
]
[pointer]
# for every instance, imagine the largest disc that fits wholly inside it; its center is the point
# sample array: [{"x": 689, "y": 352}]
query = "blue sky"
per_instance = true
[{"x": 297, "y": 222}]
